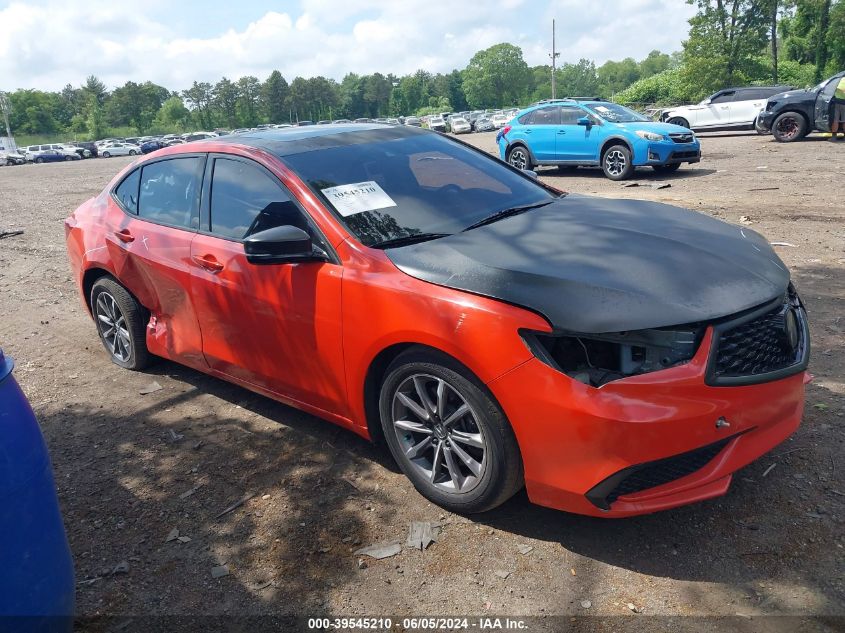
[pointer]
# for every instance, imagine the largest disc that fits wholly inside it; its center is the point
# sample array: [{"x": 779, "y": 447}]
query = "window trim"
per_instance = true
[
  {"x": 205, "y": 203},
  {"x": 202, "y": 170}
]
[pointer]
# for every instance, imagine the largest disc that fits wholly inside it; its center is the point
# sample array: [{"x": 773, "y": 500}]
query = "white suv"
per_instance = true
[{"x": 729, "y": 109}]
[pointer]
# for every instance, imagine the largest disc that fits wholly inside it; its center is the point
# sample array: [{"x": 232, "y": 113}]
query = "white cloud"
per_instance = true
[{"x": 50, "y": 44}]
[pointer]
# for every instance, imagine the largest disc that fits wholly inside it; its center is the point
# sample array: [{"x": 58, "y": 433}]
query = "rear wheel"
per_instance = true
[
  {"x": 519, "y": 157},
  {"x": 677, "y": 120},
  {"x": 39, "y": 160},
  {"x": 788, "y": 127},
  {"x": 106, "y": 154},
  {"x": 68, "y": 158},
  {"x": 447, "y": 434},
  {"x": 616, "y": 163},
  {"x": 132, "y": 152},
  {"x": 666, "y": 169},
  {"x": 121, "y": 324}
]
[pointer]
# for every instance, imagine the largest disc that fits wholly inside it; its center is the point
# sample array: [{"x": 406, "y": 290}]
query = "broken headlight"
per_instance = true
[{"x": 597, "y": 359}]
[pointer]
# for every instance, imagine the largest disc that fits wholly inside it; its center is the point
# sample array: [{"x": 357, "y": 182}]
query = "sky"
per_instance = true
[{"x": 47, "y": 44}]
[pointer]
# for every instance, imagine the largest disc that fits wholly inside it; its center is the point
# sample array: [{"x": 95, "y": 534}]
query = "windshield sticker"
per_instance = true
[
  {"x": 358, "y": 197},
  {"x": 602, "y": 109}
]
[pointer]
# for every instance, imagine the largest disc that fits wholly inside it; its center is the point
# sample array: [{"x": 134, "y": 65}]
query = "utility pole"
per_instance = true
[{"x": 554, "y": 54}]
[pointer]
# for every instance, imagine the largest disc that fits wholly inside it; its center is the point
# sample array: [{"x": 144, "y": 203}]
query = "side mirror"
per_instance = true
[
  {"x": 585, "y": 121},
  {"x": 530, "y": 173},
  {"x": 281, "y": 245}
]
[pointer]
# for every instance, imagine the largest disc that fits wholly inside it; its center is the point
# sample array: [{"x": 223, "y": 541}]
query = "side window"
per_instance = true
[
  {"x": 528, "y": 118},
  {"x": 245, "y": 200},
  {"x": 569, "y": 115},
  {"x": 127, "y": 192},
  {"x": 547, "y": 116},
  {"x": 170, "y": 192},
  {"x": 724, "y": 97}
]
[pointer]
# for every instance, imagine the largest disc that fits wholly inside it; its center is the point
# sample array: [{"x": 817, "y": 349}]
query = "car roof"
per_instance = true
[{"x": 296, "y": 140}]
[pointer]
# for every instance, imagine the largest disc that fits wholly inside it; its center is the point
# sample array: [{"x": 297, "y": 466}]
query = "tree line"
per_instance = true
[{"x": 730, "y": 42}]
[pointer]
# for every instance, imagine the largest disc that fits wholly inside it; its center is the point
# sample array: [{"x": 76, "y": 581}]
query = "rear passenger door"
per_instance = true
[
  {"x": 149, "y": 240},
  {"x": 747, "y": 104},
  {"x": 273, "y": 326},
  {"x": 718, "y": 111},
  {"x": 540, "y": 132},
  {"x": 575, "y": 142}
]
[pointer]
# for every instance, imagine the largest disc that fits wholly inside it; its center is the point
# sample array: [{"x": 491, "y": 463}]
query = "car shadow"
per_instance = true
[{"x": 642, "y": 173}]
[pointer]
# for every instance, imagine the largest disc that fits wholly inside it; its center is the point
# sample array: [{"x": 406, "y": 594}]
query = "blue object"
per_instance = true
[
  {"x": 569, "y": 132},
  {"x": 36, "y": 569}
]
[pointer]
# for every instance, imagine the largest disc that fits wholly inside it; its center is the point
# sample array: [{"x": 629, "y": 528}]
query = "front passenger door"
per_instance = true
[{"x": 272, "y": 326}]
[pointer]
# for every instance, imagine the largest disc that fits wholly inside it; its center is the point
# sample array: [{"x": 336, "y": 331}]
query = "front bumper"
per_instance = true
[
  {"x": 574, "y": 437},
  {"x": 765, "y": 120},
  {"x": 667, "y": 153}
]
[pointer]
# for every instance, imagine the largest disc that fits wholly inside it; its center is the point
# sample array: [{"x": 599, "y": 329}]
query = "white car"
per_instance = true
[
  {"x": 119, "y": 149},
  {"x": 460, "y": 125},
  {"x": 499, "y": 120},
  {"x": 729, "y": 109}
]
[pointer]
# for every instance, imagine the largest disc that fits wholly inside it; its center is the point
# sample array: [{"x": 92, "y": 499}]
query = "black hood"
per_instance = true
[{"x": 600, "y": 265}]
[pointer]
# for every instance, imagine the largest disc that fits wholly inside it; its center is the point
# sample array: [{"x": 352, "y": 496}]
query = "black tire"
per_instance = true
[
  {"x": 132, "y": 152},
  {"x": 39, "y": 160},
  {"x": 106, "y": 154},
  {"x": 519, "y": 157},
  {"x": 68, "y": 158},
  {"x": 789, "y": 127},
  {"x": 666, "y": 169},
  {"x": 501, "y": 471},
  {"x": 616, "y": 162},
  {"x": 135, "y": 318},
  {"x": 679, "y": 120}
]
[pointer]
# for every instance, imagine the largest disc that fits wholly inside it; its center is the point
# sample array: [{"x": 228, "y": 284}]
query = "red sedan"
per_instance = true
[{"x": 615, "y": 357}]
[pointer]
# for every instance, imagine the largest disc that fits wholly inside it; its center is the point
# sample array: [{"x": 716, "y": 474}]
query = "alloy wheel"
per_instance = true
[
  {"x": 112, "y": 326},
  {"x": 788, "y": 127},
  {"x": 615, "y": 162},
  {"x": 519, "y": 159},
  {"x": 438, "y": 433}
]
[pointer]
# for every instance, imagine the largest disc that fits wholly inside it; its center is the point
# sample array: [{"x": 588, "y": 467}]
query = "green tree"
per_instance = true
[
  {"x": 655, "y": 62},
  {"x": 172, "y": 116},
  {"x": 615, "y": 76},
  {"x": 726, "y": 38},
  {"x": 577, "y": 80},
  {"x": 497, "y": 76},
  {"x": 199, "y": 96},
  {"x": 96, "y": 88},
  {"x": 135, "y": 105},
  {"x": 225, "y": 102},
  {"x": 274, "y": 98},
  {"x": 249, "y": 95}
]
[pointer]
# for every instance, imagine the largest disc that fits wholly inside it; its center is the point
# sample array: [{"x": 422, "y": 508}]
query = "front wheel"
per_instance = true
[
  {"x": 666, "y": 169},
  {"x": 132, "y": 152},
  {"x": 121, "y": 324},
  {"x": 39, "y": 160},
  {"x": 788, "y": 127},
  {"x": 616, "y": 163},
  {"x": 68, "y": 158},
  {"x": 679, "y": 121},
  {"x": 519, "y": 157},
  {"x": 447, "y": 434}
]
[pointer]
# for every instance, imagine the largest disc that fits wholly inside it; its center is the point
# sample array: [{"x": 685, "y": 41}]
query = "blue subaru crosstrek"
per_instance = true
[{"x": 572, "y": 133}]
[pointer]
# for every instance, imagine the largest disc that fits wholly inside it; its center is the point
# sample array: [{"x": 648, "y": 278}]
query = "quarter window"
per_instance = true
[
  {"x": 127, "y": 192},
  {"x": 169, "y": 192},
  {"x": 547, "y": 116},
  {"x": 246, "y": 200}
]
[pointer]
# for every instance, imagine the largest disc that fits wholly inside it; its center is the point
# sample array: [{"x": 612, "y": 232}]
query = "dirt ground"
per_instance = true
[{"x": 131, "y": 468}]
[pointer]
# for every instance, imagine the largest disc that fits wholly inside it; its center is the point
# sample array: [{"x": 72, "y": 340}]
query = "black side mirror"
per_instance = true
[
  {"x": 530, "y": 173},
  {"x": 281, "y": 245},
  {"x": 585, "y": 121}
]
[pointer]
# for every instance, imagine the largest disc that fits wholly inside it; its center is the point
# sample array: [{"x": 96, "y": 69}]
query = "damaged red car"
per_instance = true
[{"x": 615, "y": 357}]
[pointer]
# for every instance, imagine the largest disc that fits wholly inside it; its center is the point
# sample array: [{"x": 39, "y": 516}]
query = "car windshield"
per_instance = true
[
  {"x": 616, "y": 113},
  {"x": 413, "y": 185}
]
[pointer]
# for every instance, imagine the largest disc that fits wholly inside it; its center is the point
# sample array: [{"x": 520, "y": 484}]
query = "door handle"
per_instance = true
[
  {"x": 724, "y": 107},
  {"x": 124, "y": 236},
  {"x": 561, "y": 131},
  {"x": 527, "y": 131},
  {"x": 208, "y": 262}
]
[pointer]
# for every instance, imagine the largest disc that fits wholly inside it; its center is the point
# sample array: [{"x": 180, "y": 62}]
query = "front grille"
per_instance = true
[
  {"x": 761, "y": 345},
  {"x": 689, "y": 154},
  {"x": 680, "y": 137},
  {"x": 652, "y": 474}
]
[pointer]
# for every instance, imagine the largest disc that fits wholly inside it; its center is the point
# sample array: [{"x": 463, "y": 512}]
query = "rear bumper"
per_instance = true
[{"x": 574, "y": 437}]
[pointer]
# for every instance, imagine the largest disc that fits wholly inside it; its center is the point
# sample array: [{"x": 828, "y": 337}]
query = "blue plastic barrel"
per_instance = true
[{"x": 36, "y": 569}]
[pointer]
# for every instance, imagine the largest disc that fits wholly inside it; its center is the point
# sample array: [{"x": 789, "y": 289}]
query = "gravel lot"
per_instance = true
[{"x": 130, "y": 468}]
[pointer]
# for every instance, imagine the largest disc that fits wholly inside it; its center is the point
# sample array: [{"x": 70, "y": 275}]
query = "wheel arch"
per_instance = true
[
  {"x": 378, "y": 368},
  {"x": 523, "y": 145},
  {"x": 615, "y": 140}
]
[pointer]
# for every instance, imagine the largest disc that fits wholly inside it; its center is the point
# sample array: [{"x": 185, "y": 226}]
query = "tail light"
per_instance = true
[{"x": 506, "y": 129}]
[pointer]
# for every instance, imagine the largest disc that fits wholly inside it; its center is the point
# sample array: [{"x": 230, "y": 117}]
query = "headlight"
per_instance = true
[
  {"x": 649, "y": 136},
  {"x": 596, "y": 359}
]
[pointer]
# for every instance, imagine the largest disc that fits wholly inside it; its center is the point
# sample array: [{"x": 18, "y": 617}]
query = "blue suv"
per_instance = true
[{"x": 570, "y": 133}]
